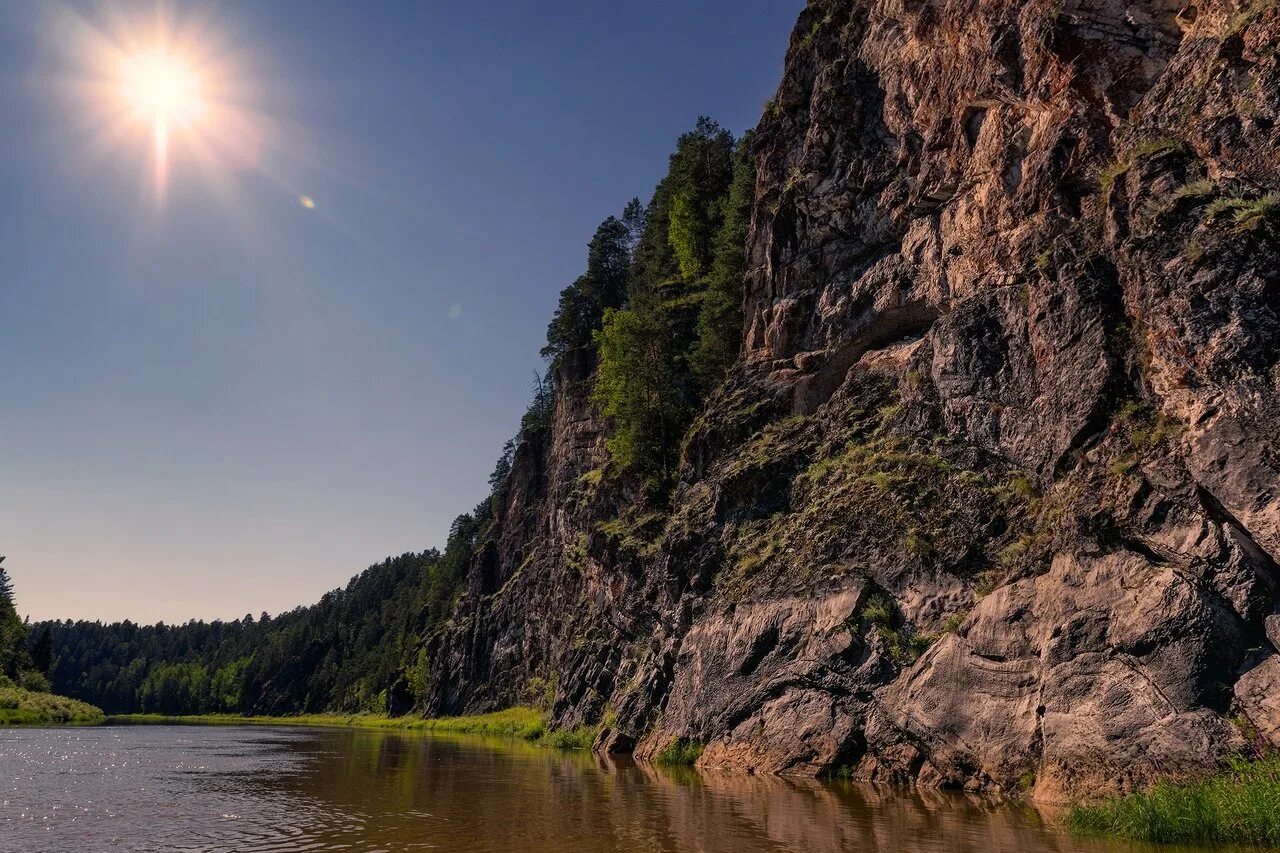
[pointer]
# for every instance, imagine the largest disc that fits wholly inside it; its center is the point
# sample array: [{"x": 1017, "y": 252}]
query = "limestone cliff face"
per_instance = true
[{"x": 992, "y": 498}]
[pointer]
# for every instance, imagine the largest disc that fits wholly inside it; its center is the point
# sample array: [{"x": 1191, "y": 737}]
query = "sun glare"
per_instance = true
[
  {"x": 171, "y": 87},
  {"x": 162, "y": 89}
]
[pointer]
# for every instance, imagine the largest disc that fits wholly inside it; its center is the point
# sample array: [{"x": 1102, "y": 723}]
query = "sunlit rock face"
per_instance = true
[{"x": 992, "y": 498}]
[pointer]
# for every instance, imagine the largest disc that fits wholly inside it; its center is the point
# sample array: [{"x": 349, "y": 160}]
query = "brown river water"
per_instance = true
[{"x": 245, "y": 789}]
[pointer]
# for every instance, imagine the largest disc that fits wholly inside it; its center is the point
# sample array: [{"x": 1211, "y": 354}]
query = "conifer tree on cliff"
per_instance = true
[{"x": 645, "y": 384}]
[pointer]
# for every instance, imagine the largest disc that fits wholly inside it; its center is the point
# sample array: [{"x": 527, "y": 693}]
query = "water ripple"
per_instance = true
[{"x": 274, "y": 790}]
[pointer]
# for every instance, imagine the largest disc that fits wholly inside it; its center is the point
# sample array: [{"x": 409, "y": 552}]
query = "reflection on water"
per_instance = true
[{"x": 245, "y": 789}]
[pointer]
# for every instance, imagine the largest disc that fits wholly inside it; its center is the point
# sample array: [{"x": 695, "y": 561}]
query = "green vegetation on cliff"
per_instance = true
[
  {"x": 671, "y": 342},
  {"x": 719, "y": 331},
  {"x": 1239, "y": 806},
  {"x": 659, "y": 307},
  {"x": 679, "y": 753},
  {"x": 603, "y": 287}
]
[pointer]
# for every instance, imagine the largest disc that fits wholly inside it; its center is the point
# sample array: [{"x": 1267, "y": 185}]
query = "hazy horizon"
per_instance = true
[{"x": 230, "y": 390}]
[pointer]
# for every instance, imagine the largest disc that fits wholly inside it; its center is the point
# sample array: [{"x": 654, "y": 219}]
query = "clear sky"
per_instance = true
[{"x": 218, "y": 397}]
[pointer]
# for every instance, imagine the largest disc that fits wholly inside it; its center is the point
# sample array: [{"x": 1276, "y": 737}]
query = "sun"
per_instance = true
[
  {"x": 169, "y": 88},
  {"x": 169, "y": 78},
  {"x": 162, "y": 89}
]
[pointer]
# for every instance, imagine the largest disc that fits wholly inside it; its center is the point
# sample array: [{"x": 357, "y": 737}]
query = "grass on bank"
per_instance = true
[
  {"x": 1239, "y": 806},
  {"x": 679, "y": 753},
  {"x": 20, "y": 707},
  {"x": 529, "y": 724}
]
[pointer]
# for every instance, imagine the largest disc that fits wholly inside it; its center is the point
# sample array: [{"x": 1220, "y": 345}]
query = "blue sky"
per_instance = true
[{"x": 227, "y": 402}]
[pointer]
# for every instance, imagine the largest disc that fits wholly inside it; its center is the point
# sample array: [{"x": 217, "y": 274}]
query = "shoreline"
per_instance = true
[
  {"x": 1233, "y": 805},
  {"x": 520, "y": 723}
]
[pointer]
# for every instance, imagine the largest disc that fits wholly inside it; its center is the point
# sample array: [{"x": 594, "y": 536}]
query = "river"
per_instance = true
[{"x": 245, "y": 789}]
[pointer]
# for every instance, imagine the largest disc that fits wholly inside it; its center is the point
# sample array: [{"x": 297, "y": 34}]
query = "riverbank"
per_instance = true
[
  {"x": 1240, "y": 806},
  {"x": 528, "y": 724},
  {"x": 19, "y": 707},
  {"x": 177, "y": 787}
]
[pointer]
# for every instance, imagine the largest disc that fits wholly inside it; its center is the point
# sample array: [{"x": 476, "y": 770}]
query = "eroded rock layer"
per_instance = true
[{"x": 992, "y": 497}]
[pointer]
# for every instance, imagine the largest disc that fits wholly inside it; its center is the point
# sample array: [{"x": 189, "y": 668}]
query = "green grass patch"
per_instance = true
[
  {"x": 1159, "y": 145},
  {"x": 637, "y": 533},
  {"x": 1110, "y": 173},
  {"x": 1239, "y": 806},
  {"x": 19, "y": 707},
  {"x": 1250, "y": 13},
  {"x": 581, "y": 737},
  {"x": 1245, "y": 214},
  {"x": 577, "y": 553},
  {"x": 880, "y": 610},
  {"x": 679, "y": 753},
  {"x": 888, "y": 493},
  {"x": 904, "y": 645},
  {"x": 1145, "y": 428},
  {"x": 521, "y": 722},
  {"x": 1203, "y": 188}
]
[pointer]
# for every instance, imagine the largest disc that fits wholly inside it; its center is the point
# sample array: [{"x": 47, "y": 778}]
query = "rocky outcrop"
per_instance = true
[
  {"x": 992, "y": 498},
  {"x": 761, "y": 683}
]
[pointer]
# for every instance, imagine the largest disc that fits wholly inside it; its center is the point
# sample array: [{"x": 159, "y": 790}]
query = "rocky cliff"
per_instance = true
[{"x": 992, "y": 496}]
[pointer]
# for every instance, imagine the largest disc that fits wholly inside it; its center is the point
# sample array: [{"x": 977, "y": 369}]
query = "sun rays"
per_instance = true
[{"x": 166, "y": 88}]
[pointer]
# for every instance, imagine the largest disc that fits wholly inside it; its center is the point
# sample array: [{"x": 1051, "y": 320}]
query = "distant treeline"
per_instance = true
[
  {"x": 340, "y": 654},
  {"x": 655, "y": 321}
]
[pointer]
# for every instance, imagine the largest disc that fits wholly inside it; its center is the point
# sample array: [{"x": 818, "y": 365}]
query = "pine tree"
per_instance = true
[
  {"x": 603, "y": 286},
  {"x": 633, "y": 217},
  {"x": 686, "y": 210},
  {"x": 644, "y": 383},
  {"x": 42, "y": 651},
  {"x": 720, "y": 317},
  {"x": 636, "y": 388},
  {"x": 6, "y": 585}
]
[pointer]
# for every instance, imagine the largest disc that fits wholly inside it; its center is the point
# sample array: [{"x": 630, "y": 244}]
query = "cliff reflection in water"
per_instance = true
[
  {"x": 254, "y": 789},
  {"x": 469, "y": 792}
]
